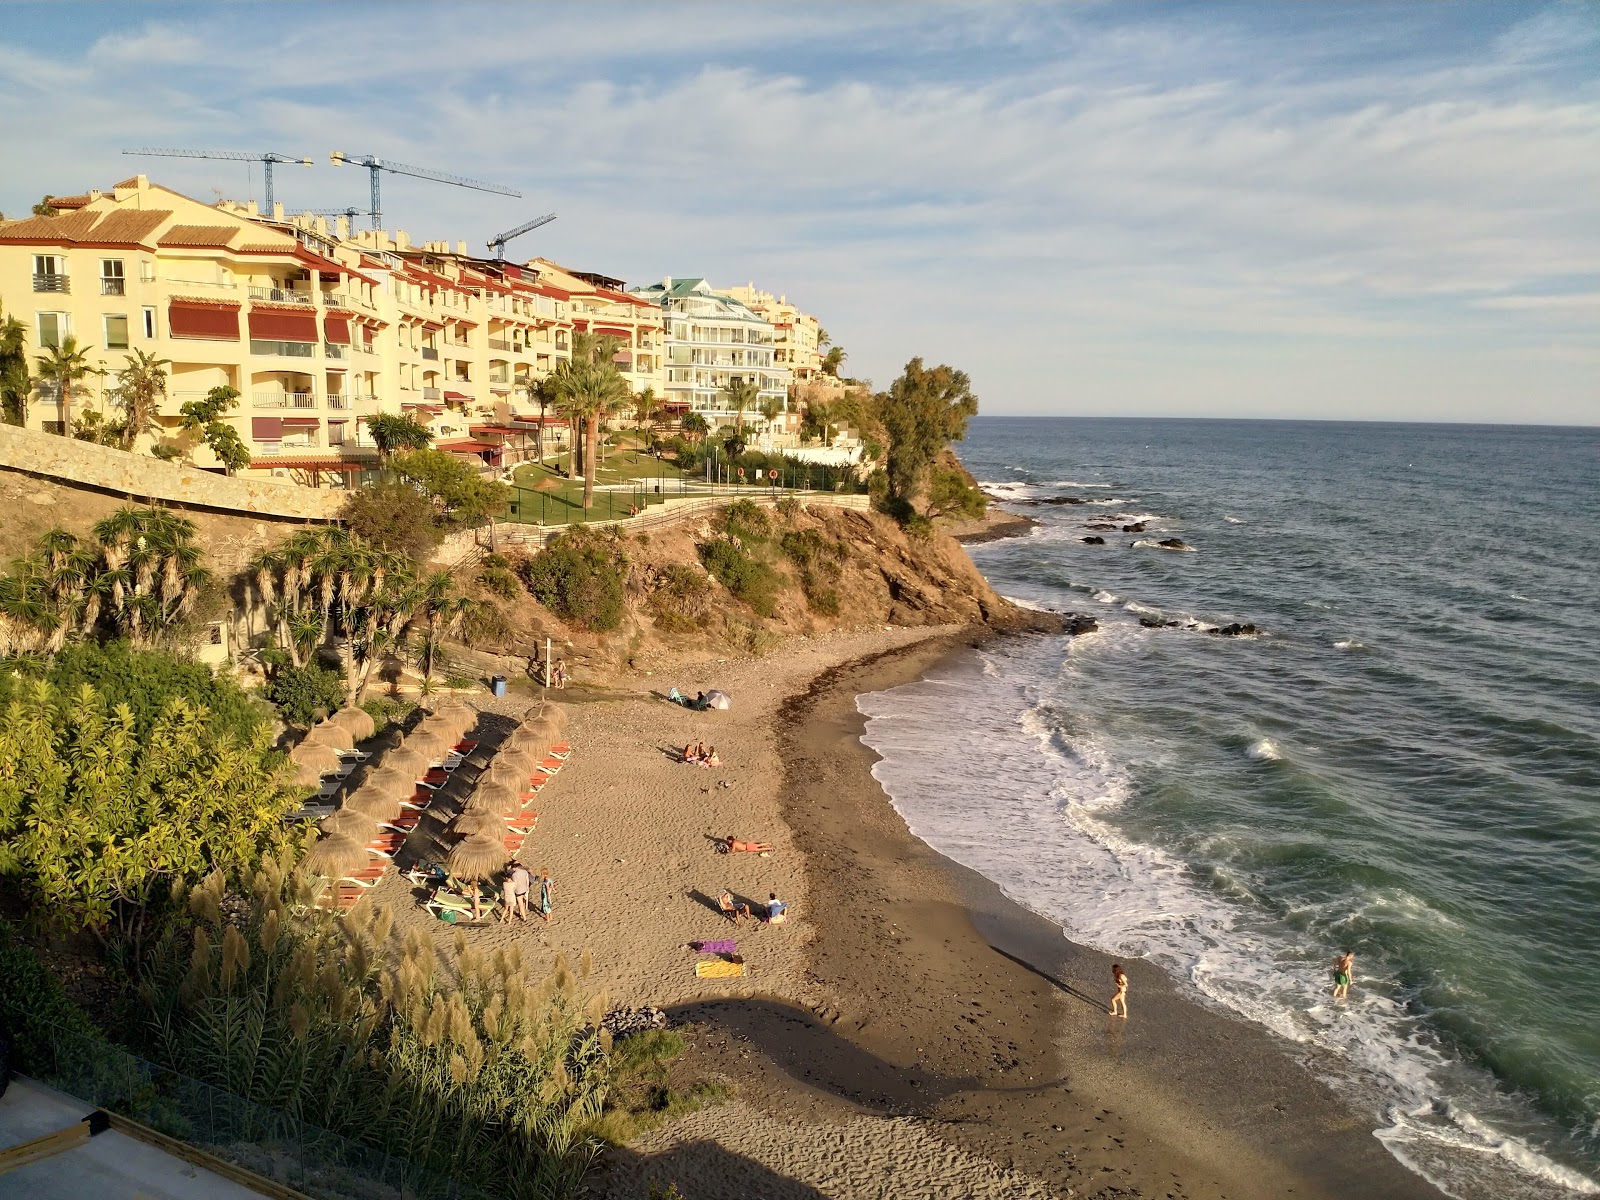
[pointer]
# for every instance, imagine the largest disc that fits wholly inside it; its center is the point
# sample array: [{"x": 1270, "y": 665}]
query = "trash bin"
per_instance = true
[{"x": 497, "y": 685}]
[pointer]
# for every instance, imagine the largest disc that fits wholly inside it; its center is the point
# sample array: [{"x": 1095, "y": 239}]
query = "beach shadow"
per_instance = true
[
  {"x": 707, "y": 1169},
  {"x": 1095, "y": 1002}
]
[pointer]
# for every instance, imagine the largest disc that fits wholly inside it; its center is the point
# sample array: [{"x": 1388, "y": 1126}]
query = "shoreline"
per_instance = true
[{"x": 950, "y": 1003}]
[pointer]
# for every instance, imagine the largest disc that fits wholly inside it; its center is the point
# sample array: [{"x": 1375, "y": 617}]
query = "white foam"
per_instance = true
[
  {"x": 1233, "y": 520},
  {"x": 1134, "y": 518},
  {"x": 1134, "y": 606},
  {"x": 1105, "y": 597},
  {"x": 1155, "y": 544},
  {"x": 1045, "y": 828},
  {"x": 1349, "y": 644},
  {"x": 1061, "y": 483},
  {"x": 1265, "y": 749},
  {"x": 1526, "y": 599}
]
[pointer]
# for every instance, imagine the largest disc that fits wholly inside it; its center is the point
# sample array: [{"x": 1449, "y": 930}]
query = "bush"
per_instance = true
[
  {"x": 303, "y": 694},
  {"x": 747, "y": 522},
  {"x": 497, "y": 576},
  {"x": 747, "y": 577},
  {"x": 678, "y": 602},
  {"x": 144, "y": 680},
  {"x": 950, "y": 495},
  {"x": 816, "y": 559},
  {"x": 31, "y": 1002},
  {"x": 393, "y": 515},
  {"x": 386, "y": 711},
  {"x": 580, "y": 577}
]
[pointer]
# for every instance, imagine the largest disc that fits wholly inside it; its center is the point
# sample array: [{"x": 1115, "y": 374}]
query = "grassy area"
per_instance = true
[{"x": 546, "y": 494}]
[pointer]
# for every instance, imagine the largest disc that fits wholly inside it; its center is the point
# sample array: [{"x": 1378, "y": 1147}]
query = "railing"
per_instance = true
[
  {"x": 500, "y": 344},
  {"x": 280, "y": 295},
  {"x": 113, "y": 286},
  {"x": 282, "y": 400},
  {"x": 431, "y": 393},
  {"x": 365, "y": 348},
  {"x": 283, "y": 349},
  {"x": 335, "y": 300},
  {"x": 337, "y": 400},
  {"x": 430, "y": 353},
  {"x": 51, "y": 283},
  {"x": 334, "y": 350},
  {"x": 269, "y": 449},
  {"x": 210, "y": 283},
  {"x": 455, "y": 341}
]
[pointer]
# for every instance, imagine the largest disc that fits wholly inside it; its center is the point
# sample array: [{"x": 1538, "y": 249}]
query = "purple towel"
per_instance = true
[{"x": 716, "y": 947}]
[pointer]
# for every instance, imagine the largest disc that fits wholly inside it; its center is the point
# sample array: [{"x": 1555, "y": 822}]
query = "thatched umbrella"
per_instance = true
[
  {"x": 533, "y": 739},
  {"x": 556, "y": 714},
  {"x": 329, "y": 733},
  {"x": 351, "y": 823},
  {"x": 381, "y": 804},
  {"x": 413, "y": 764},
  {"x": 505, "y": 771},
  {"x": 335, "y": 856},
  {"x": 522, "y": 759},
  {"x": 389, "y": 739},
  {"x": 476, "y": 857},
  {"x": 357, "y": 720},
  {"x": 464, "y": 715},
  {"x": 397, "y": 781},
  {"x": 306, "y": 776},
  {"x": 320, "y": 758},
  {"x": 432, "y": 744},
  {"x": 450, "y": 724},
  {"x": 498, "y": 798},
  {"x": 488, "y": 824}
]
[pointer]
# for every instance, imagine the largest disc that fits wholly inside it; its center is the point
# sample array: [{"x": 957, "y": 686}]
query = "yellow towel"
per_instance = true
[{"x": 719, "y": 970}]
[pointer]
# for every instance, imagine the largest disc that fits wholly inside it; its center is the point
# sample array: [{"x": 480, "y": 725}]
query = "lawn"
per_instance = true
[{"x": 546, "y": 496}]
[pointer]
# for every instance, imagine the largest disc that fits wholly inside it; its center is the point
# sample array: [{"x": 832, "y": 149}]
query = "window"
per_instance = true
[
  {"x": 147, "y": 272},
  {"x": 111, "y": 280},
  {"x": 50, "y": 273},
  {"x": 116, "y": 331},
  {"x": 53, "y": 326},
  {"x": 149, "y": 322}
]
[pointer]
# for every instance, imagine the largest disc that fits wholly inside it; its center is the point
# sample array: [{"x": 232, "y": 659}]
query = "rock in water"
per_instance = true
[
  {"x": 1174, "y": 544},
  {"x": 1136, "y": 527},
  {"x": 1234, "y": 630},
  {"x": 1094, "y": 541}
]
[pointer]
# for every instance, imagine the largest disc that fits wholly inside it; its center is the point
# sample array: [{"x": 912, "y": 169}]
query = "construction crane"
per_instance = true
[
  {"x": 266, "y": 158},
  {"x": 376, "y": 166},
  {"x": 350, "y": 213},
  {"x": 498, "y": 242}
]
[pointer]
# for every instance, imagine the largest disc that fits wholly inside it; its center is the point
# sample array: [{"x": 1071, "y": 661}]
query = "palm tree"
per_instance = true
[
  {"x": 740, "y": 395},
  {"x": 538, "y": 394},
  {"x": 588, "y": 386},
  {"x": 441, "y": 610},
  {"x": 151, "y": 571},
  {"x": 14, "y": 381},
  {"x": 770, "y": 407},
  {"x": 695, "y": 426},
  {"x": 64, "y": 365},
  {"x": 393, "y": 432},
  {"x": 140, "y": 386},
  {"x": 833, "y": 360}
]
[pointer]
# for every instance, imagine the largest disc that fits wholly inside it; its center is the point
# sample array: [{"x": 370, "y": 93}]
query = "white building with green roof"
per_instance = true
[{"x": 713, "y": 341}]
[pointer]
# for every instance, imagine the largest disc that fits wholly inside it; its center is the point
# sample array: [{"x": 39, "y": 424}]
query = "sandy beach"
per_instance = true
[{"x": 910, "y": 1031}]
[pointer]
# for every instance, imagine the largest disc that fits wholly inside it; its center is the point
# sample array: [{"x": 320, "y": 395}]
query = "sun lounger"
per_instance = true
[
  {"x": 453, "y": 908},
  {"x": 719, "y": 969}
]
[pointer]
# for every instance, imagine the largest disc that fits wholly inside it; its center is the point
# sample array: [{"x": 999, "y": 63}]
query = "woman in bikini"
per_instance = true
[
  {"x": 1344, "y": 969},
  {"x": 1120, "y": 1000}
]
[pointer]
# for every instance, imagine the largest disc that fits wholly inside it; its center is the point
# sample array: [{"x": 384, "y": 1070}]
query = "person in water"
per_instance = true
[
  {"x": 1120, "y": 1000},
  {"x": 1344, "y": 968}
]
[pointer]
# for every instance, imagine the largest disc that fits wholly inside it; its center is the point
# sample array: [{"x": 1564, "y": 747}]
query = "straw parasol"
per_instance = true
[
  {"x": 476, "y": 857},
  {"x": 357, "y": 720},
  {"x": 306, "y": 776},
  {"x": 430, "y": 743},
  {"x": 351, "y": 823},
  {"x": 536, "y": 739},
  {"x": 328, "y": 733},
  {"x": 335, "y": 856},
  {"x": 389, "y": 739},
  {"x": 497, "y": 798},
  {"x": 464, "y": 715},
  {"x": 413, "y": 764},
  {"x": 523, "y": 759},
  {"x": 381, "y": 804},
  {"x": 317, "y": 756},
  {"x": 394, "y": 780},
  {"x": 487, "y": 824},
  {"x": 505, "y": 770}
]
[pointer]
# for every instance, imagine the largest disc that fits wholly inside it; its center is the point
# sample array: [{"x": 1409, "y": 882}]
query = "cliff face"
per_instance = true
[{"x": 874, "y": 574}]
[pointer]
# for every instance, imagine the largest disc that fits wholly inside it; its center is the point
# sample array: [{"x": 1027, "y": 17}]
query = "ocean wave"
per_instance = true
[
  {"x": 1105, "y": 597},
  {"x": 1134, "y": 606},
  {"x": 1153, "y": 544},
  {"x": 1233, "y": 520},
  {"x": 1349, "y": 644},
  {"x": 1265, "y": 749}
]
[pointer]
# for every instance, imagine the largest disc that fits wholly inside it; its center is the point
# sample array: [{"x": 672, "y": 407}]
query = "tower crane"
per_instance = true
[
  {"x": 376, "y": 166},
  {"x": 498, "y": 242},
  {"x": 266, "y": 158}
]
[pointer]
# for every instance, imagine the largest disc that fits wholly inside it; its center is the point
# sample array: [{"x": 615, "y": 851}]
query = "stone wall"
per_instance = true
[{"x": 141, "y": 478}]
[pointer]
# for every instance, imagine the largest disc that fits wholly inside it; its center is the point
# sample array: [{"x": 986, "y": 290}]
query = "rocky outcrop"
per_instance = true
[{"x": 1094, "y": 540}]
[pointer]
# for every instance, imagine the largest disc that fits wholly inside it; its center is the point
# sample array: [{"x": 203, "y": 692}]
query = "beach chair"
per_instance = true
[
  {"x": 454, "y": 908},
  {"x": 330, "y": 787}
]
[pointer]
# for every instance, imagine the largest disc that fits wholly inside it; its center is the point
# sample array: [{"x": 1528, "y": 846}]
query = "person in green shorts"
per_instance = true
[{"x": 1344, "y": 967}]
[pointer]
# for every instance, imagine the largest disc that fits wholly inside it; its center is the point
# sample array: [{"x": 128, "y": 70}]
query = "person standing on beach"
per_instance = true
[
  {"x": 1344, "y": 969},
  {"x": 1120, "y": 1000},
  {"x": 547, "y": 893}
]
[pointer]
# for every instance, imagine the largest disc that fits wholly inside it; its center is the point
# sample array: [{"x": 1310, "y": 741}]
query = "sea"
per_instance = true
[{"x": 1403, "y": 760}]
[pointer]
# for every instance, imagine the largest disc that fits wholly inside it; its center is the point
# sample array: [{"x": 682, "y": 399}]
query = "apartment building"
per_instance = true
[
  {"x": 603, "y": 306},
  {"x": 795, "y": 334},
  {"x": 713, "y": 340}
]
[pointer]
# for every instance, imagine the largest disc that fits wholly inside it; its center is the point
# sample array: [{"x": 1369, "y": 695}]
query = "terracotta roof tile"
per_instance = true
[
  {"x": 68, "y": 227},
  {"x": 199, "y": 235},
  {"x": 70, "y": 201},
  {"x": 118, "y": 227},
  {"x": 267, "y": 247},
  {"x": 129, "y": 226},
  {"x": 132, "y": 181}
]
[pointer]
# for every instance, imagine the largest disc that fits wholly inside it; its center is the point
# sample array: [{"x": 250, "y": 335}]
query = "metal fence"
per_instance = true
[{"x": 262, "y": 1140}]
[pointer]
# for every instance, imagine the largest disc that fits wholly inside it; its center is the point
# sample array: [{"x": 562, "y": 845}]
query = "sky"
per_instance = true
[{"x": 1365, "y": 212}]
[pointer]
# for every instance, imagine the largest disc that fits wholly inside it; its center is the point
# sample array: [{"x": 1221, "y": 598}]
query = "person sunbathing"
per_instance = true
[
  {"x": 691, "y": 753},
  {"x": 734, "y": 913},
  {"x": 711, "y": 759},
  {"x": 735, "y": 846}
]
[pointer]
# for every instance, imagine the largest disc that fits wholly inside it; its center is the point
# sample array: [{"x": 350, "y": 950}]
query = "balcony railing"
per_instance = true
[
  {"x": 365, "y": 349},
  {"x": 430, "y": 353},
  {"x": 431, "y": 393},
  {"x": 334, "y": 350},
  {"x": 110, "y": 286},
  {"x": 336, "y": 400},
  {"x": 455, "y": 341},
  {"x": 269, "y": 449},
  {"x": 283, "y": 349},
  {"x": 51, "y": 283},
  {"x": 210, "y": 283},
  {"x": 499, "y": 344},
  {"x": 282, "y": 400},
  {"x": 336, "y": 299},
  {"x": 279, "y": 295}
]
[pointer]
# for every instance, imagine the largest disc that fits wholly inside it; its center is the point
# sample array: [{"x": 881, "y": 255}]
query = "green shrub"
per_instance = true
[
  {"x": 396, "y": 515},
  {"x": 144, "y": 680},
  {"x": 746, "y": 576},
  {"x": 580, "y": 577},
  {"x": 387, "y": 710},
  {"x": 950, "y": 495},
  {"x": 500, "y": 580},
  {"x": 31, "y": 1002},
  {"x": 678, "y": 603},
  {"x": 816, "y": 559},
  {"x": 305, "y": 694},
  {"x": 747, "y": 522}
]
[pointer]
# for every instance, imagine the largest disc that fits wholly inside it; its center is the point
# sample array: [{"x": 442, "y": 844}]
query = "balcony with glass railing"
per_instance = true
[
  {"x": 283, "y": 349},
  {"x": 334, "y": 350},
  {"x": 432, "y": 394},
  {"x": 430, "y": 353}
]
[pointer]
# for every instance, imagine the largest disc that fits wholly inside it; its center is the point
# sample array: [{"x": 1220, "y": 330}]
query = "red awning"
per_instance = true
[
  {"x": 436, "y": 409},
  {"x": 337, "y": 329},
  {"x": 675, "y": 404},
  {"x": 301, "y": 422},
  {"x": 622, "y": 356},
  {"x": 457, "y": 396},
  {"x": 614, "y": 331},
  {"x": 466, "y": 446},
  {"x": 202, "y": 321},
  {"x": 266, "y": 429},
  {"x": 275, "y": 325},
  {"x": 477, "y": 430}
]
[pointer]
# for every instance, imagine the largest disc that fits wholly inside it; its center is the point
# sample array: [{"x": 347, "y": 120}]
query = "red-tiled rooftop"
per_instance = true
[
  {"x": 199, "y": 235},
  {"x": 121, "y": 227}
]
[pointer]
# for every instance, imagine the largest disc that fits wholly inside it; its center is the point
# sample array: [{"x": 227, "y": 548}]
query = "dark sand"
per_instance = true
[{"x": 962, "y": 1008}]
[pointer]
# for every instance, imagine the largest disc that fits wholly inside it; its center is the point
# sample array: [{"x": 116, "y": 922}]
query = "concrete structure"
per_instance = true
[
  {"x": 713, "y": 340},
  {"x": 796, "y": 334}
]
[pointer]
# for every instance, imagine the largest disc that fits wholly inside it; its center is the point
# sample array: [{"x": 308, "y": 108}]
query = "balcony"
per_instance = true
[
  {"x": 270, "y": 449},
  {"x": 110, "y": 286},
  {"x": 365, "y": 349},
  {"x": 334, "y": 350},
  {"x": 51, "y": 283},
  {"x": 336, "y": 400},
  {"x": 455, "y": 342},
  {"x": 335, "y": 300},
  {"x": 283, "y": 349},
  {"x": 282, "y": 400},
  {"x": 279, "y": 295},
  {"x": 432, "y": 394},
  {"x": 502, "y": 344},
  {"x": 430, "y": 353}
]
